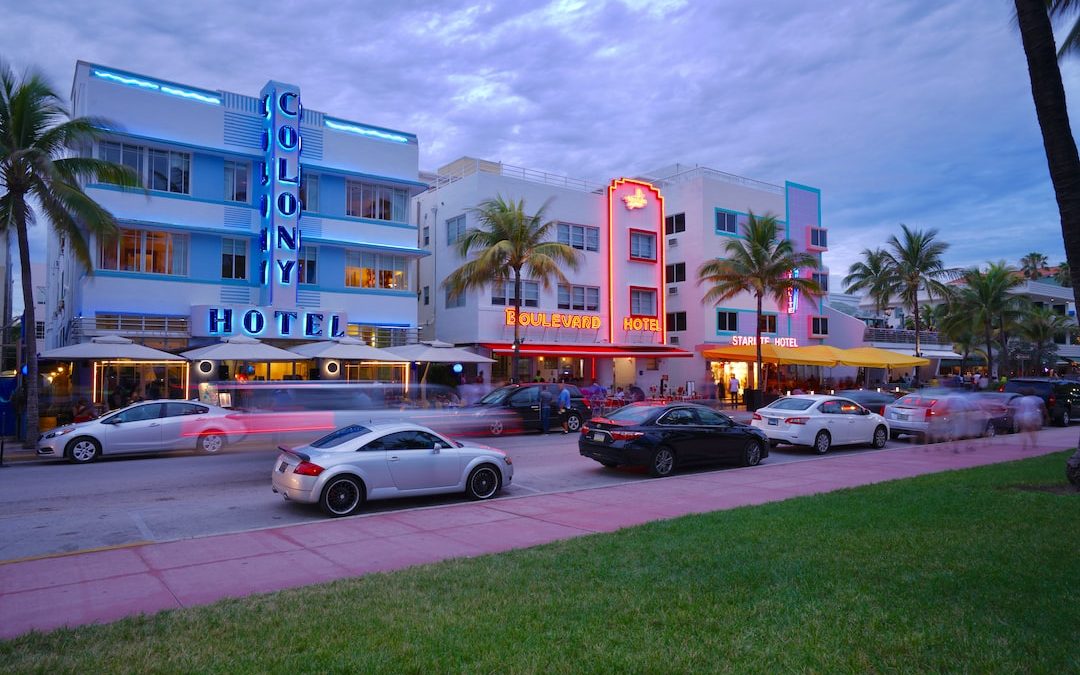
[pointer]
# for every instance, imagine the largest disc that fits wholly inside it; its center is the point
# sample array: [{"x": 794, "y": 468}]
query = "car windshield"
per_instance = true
[
  {"x": 496, "y": 396},
  {"x": 791, "y": 403},
  {"x": 632, "y": 414},
  {"x": 340, "y": 436}
]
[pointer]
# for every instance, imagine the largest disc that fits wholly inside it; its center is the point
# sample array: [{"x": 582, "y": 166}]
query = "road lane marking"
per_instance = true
[{"x": 143, "y": 529}]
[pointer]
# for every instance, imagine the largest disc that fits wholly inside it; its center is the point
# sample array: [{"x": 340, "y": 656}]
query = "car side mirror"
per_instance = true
[
  {"x": 864, "y": 411},
  {"x": 440, "y": 446}
]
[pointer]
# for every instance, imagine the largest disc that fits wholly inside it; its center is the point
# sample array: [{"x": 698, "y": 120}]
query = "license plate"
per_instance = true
[
  {"x": 598, "y": 437},
  {"x": 773, "y": 421},
  {"x": 283, "y": 468}
]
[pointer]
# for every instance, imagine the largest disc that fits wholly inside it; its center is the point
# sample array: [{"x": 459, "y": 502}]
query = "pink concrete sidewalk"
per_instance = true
[{"x": 102, "y": 586}]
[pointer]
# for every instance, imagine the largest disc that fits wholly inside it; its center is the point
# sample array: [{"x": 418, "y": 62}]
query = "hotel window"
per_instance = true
[
  {"x": 642, "y": 302},
  {"x": 307, "y": 265},
  {"x": 768, "y": 323},
  {"x": 164, "y": 170},
  {"x": 675, "y": 224},
  {"x": 582, "y": 298},
  {"x": 503, "y": 294},
  {"x": 427, "y": 295},
  {"x": 234, "y": 258},
  {"x": 371, "y": 270},
  {"x": 147, "y": 251},
  {"x": 427, "y": 235},
  {"x": 819, "y": 237},
  {"x": 673, "y": 274},
  {"x": 236, "y": 181},
  {"x": 727, "y": 322},
  {"x": 309, "y": 192},
  {"x": 453, "y": 301},
  {"x": 819, "y": 325},
  {"x": 676, "y": 321},
  {"x": 455, "y": 228},
  {"x": 727, "y": 222},
  {"x": 822, "y": 279},
  {"x": 581, "y": 237},
  {"x": 377, "y": 202},
  {"x": 642, "y": 246}
]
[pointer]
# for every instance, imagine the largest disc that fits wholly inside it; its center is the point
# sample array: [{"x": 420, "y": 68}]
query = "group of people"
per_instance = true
[{"x": 555, "y": 396}]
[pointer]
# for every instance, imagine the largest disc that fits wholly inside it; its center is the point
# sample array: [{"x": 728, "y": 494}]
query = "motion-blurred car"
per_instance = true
[
  {"x": 152, "y": 426},
  {"x": 351, "y": 465},
  {"x": 523, "y": 400},
  {"x": 820, "y": 422},
  {"x": 663, "y": 437},
  {"x": 874, "y": 401},
  {"x": 938, "y": 416},
  {"x": 1000, "y": 406},
  {"x": 1061, "y": 397}
]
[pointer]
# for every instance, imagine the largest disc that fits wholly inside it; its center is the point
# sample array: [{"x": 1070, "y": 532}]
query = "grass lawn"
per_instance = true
[{"x": 948, "y": 572}]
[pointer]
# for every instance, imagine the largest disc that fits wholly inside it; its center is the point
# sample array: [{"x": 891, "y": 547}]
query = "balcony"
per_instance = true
[
  {"x": 899, "y": 336},
  {"x": 129, "y": 325}
]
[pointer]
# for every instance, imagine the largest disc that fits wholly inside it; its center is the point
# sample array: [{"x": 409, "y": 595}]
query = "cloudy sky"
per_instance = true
[{"x": 915, "y": 112}]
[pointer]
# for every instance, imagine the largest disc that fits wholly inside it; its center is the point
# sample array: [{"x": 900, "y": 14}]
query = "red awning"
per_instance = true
[{"x": 600, "y": 351}]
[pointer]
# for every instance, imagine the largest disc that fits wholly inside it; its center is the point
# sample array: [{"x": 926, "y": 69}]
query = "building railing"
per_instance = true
[
  {"x": 904, "y": 336},
  {"x": 468, "y": 166},
  {"x": 677, "y": 173},
  {"x": 85, "y": 327}
]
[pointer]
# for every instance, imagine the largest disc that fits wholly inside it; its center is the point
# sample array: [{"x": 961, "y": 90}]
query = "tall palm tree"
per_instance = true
[
  {"x": 875, "y": 276},
  {"x": 507, "y": 242},
  {"x": 1063, "y": 275},
  {"x": 40, "y": 169},
  {"x": 1039, "y": 327},
  {"x": 916, "y": 259},
  {"x": 1033, "y": 265},
  {"x": 758, "y": 262},
  {"x": 987, "y": 300},
  {"x": 1037, "y": 35}
]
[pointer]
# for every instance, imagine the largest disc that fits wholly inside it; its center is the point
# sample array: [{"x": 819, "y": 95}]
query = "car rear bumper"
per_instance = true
[
  {"x": 295, "y": 488},
  {"x": 793, "y": 434},
  {"x": 615, "y": 453}
]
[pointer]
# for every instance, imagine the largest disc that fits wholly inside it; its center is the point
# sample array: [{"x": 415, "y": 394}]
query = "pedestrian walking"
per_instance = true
[
  {"x": 564, "y": 407},
  {"x": 1028, "y": 411},
  {"x": 545, "y": 408}
]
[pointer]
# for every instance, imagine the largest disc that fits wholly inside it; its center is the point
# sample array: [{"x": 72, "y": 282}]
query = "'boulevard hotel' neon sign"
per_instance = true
[{"x": 279, "y": 238}]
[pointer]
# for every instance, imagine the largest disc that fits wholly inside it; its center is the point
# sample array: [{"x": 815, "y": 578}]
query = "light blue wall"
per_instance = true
[
  {"x": 332, "y": 197},
  {"x": 205, "y": 259},
  {"x": 331, "y": 267},
  {"x": 208, "y": 177}
]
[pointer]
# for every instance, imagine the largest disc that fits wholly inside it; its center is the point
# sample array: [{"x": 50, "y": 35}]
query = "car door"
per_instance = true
[
  {"x": 860, "y": 424},
  {"x": 525, "y": 402},
  {"x": 833, "y": 420},
  {"x": 723, "y": 441},
  {"x": 422, "y": 461},
  {"x": 682, "y": 434},
  {"x": 137, "y": 429},
  {"x": 181, "y": 424}
]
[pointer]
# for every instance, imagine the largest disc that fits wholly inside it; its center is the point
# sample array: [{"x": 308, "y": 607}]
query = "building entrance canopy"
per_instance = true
[{"x": 817, "y": 355}]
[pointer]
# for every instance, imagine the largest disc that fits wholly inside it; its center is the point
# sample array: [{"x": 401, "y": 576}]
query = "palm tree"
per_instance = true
[
  {"x": 916, "y": 261},
  {"x": 507, "y": 242},
  {"x": 1039, "y": 327},
  {"x": 1062, "y": 275},
  {"x": 873, "y": 275},
  {"x": 1036, "y": 32},
  {"x": 1033, "y": 265},
  {"x": 758, "y": 262},
  {"x": 987, "y": 300},
  {"x": 39, "y": 169}
]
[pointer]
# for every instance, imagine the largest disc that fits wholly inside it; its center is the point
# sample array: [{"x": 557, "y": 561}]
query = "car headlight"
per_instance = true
[
  {"x": 59, "y": 432},
  {"x": 506, "y": 458}
]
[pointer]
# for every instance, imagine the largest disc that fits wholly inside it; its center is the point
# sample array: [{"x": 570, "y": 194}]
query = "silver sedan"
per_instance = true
[
  {"x": 356, "y": 463},
  {"x": 152, "y": 426}
]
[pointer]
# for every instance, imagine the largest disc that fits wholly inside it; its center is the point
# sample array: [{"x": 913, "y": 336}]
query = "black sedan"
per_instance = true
[{"x": 663, "y": 437}]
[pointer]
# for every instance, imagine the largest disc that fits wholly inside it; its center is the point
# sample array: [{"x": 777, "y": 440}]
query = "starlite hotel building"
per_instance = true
[{"x": 261, "y": 217}]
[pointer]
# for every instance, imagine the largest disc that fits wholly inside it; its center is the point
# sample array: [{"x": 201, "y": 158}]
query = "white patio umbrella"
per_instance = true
[
  {"x": 436, "y": 352},
  {"x": 345, "y": 349},
  {"x": 241, "y": 348},
  {"x": 113, "y": 347}
]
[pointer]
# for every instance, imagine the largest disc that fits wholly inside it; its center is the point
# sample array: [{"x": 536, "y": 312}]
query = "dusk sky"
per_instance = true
[{"x": 915, "y": 112}]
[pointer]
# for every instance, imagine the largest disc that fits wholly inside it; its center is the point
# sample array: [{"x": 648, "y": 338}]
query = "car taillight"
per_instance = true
[
  {"x": 1051, "y": 401},
  {"x": 626, "y": 435},
  {"x": 930, "y": 413},
  {"x": 757, "y": 416},
  {"x": 584, "y": 429},
  {"x": 881, "y": 411},
  {"x": 797, "y": 420},
  {"x": 308, "y": 469}
]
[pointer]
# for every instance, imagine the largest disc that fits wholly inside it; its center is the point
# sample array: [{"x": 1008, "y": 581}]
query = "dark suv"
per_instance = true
[
  {"x": 1062, "y": 397},
  {"x": 524, "y": 401}
]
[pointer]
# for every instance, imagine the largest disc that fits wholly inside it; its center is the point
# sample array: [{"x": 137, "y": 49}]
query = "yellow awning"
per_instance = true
[
  {"x": 874, "y": 357},
  {"x": 816, "y": 355}
]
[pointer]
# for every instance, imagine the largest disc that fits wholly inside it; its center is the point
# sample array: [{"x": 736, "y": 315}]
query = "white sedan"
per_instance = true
[
  {"x": 347, "y": 467},
  {"x": 820, "y": 422}
]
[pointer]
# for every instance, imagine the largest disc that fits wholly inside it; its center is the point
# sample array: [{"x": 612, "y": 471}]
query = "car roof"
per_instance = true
[{"x": 815, "y": 397}]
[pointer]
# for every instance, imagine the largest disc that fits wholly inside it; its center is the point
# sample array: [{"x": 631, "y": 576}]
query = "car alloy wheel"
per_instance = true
[
  {"x": 342, "y": 496},
  {"x": 822, "y": 442},
  {"x": 1066, "y": 420},
  {"x": 496, "y": 427},
  {"x": 752, "y": 453},
  {"x": 210, "y": 442},
  {"x": 83, "y": 450},
  {"x": 880, "y": 437},
  {"x": 663, "y": 463},
  {"x": 990, "y": 431},
  {"x": 573, "y": 423},
  {"x": 483, "y": 482}
]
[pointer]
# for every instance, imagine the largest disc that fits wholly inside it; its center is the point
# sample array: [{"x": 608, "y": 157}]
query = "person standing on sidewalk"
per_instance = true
[
  {"x": 564, "y": 407},
  {"x": 733, "y": 390},
  {"x": 545, "y": 408}
]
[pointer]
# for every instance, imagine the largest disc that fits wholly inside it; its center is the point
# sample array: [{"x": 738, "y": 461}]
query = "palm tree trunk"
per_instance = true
[
  {"x": 989, "y": 348},
  {"x": 757, "y": 343},
  {"x": 1048, "y": 94},
  {"x": 1003, "y": 357},
  {"x": 517, "y": 326},
  {"x": 29, "y": 329},
  {"x": 916, "y": 309}
]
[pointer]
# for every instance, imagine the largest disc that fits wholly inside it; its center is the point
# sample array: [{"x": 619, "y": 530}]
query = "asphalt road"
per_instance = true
[{"x": 53, "y": 507}]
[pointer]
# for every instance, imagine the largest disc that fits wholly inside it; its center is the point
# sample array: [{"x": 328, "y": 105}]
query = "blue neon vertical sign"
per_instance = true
[{"x": 280, "y": 203}]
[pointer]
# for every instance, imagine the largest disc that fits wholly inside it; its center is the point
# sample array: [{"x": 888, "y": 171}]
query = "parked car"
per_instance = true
[
  {"x": 351, "y": 465},
  {"x": 938, "y": 416},
  {"x": 820, "y": 422},
  {"x": 665, "y": 437},
  {"x": 151, "y": 426},
  {"x": 875, "y": 401},
  {"x": 1001, "y": 408},
  {"x": 524, "y": 401},
  {"x": 1061, "y": 397}
]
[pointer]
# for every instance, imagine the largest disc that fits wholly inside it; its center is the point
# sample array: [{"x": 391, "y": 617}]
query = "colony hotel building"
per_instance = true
[
  {"x": 261, "y": 217},
  {"x": 632, "y": 312}
]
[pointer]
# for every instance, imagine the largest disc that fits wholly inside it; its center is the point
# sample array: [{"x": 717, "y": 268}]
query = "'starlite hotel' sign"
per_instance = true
[
  {"x": 551, "y": 320},
  {"x": 739, "y": 340}
]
